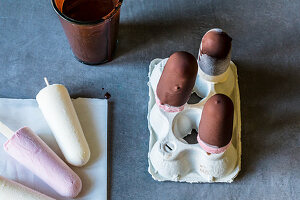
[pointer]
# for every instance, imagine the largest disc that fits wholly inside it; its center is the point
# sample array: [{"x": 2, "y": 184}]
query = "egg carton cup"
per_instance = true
[{"x": 170, "y": 157}]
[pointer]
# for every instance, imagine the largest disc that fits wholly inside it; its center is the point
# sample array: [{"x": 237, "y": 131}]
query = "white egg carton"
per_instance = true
[{"x": 170, "y": 157}]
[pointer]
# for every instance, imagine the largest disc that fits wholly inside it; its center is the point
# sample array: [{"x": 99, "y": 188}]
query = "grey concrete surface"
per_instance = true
[{"x": 266, "y": 49}]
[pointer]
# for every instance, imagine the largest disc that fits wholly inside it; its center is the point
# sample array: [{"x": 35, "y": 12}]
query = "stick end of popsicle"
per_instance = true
[{"x": 46, "y": 81}]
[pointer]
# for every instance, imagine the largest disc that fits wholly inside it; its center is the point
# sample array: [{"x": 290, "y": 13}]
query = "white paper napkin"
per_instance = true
[{"x": 92, "y": 113}]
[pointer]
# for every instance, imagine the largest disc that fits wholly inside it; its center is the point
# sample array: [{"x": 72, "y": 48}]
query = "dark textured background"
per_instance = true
[{"x": 266, "y": 49}]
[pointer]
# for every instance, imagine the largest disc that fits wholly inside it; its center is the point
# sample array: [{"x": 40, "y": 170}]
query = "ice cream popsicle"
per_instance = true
[
  {"x": 11, "y": 190},
  {"x": 56, "y": 105},
  {"x": 216, "y": 124},
  {"x": 32, "y": 152},
  {"x": 177, "y": 81},
  {"x": 214, "y": 53}
]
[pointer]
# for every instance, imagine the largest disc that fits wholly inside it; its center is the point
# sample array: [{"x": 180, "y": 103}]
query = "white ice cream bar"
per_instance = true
[
  {"x": 10, "y": 190},
  {"x": 56, "y": 105}
]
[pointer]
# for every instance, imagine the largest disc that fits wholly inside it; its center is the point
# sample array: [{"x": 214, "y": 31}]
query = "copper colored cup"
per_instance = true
[{"x": 91, "y": 42}]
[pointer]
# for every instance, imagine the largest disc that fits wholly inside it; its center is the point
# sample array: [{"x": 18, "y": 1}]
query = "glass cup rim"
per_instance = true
[{"x": 111, "y": 14}]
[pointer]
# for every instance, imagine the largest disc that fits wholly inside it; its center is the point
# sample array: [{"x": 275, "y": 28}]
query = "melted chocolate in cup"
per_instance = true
[
  {"x": 216, "y": 124},
  {"x": 177, "y": 80},
  {"x": 87, "y": 10},
  {"x": 91, "y": 27},
  {"x": 214, "y": 54}
]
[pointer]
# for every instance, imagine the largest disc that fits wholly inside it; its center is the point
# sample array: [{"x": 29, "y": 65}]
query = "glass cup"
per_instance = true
[{"x": 92, "y": 42}]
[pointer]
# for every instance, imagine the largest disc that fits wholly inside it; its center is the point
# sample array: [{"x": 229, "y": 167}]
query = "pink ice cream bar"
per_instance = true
[{"x": 32, "y": 152}]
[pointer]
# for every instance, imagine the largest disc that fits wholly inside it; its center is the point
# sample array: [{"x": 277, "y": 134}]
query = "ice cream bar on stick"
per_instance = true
[
  {"x": 56, "y": 105},
  {"x": 13, "y": 190},
  {"x": 216, "y": 124},
  {"x": 176, "y": 82},
  {"x": 32, "y": 152}
]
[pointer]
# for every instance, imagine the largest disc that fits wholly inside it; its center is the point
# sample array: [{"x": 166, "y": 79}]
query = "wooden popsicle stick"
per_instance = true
[
  {"x": 7, "y": 132},
  {"x": 46, "y": 81}
]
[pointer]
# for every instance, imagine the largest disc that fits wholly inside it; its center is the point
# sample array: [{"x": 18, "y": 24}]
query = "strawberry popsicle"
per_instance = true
[
  {"x": 56, "y": 105},
  {"x": 33, "y": 153},
  {"x": 13, "y": 190}
]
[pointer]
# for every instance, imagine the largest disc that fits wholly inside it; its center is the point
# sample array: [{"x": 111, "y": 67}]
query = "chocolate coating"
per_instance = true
[
  {"x": 216, "y": 123},
  {"x": 216, "y": 44},
  {"x": 178, "y": 79}
]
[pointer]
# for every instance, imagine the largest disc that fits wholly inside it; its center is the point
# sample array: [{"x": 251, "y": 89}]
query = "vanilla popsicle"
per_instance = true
[
  {"x": 56, "y": 105},
  {"x": 32, "y": 152},
  {"x": 13, "y": 190}
]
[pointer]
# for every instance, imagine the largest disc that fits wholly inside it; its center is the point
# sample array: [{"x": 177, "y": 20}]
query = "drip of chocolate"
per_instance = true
[
  {"x": 216, "y": 123},
  {"x": 107, "y": 95},
  {"x": 178, "y": 79},
  {"x": 216, "y": 43}
]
